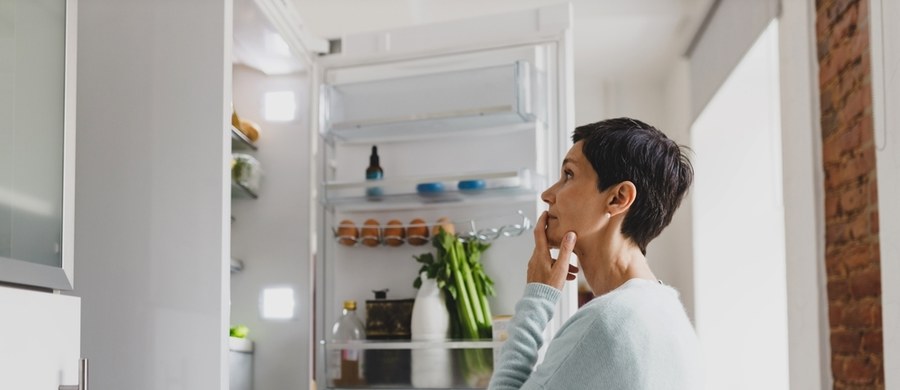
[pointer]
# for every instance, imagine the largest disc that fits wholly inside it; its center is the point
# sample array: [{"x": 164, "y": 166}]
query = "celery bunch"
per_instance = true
[{"x": 459, "y": 273}]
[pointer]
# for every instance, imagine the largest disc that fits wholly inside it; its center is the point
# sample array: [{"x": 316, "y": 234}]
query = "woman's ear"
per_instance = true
[{"x": 621, "y": 198}]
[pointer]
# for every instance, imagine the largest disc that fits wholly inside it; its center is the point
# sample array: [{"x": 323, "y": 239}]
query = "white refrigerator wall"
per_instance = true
[
  {"x": 271, "y": 234},
  {"x": 151, "y": 217}
]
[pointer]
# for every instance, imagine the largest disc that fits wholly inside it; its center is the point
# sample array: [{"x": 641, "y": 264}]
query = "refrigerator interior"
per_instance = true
[{"x": 475, "y": 115}]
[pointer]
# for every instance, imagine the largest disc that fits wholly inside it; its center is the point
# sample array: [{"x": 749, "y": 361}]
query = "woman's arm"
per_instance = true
[{"x": 526, "y": 335}]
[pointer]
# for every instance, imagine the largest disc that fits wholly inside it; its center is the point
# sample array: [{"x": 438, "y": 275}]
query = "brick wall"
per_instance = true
[{"x": 851, "y": 203}]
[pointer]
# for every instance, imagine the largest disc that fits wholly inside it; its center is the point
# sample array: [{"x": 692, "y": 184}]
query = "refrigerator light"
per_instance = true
[
  {"x": 277, "y": 303},
  {"x": 280, "y": 106}
]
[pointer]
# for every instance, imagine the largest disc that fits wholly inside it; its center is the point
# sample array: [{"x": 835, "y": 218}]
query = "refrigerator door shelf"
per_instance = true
[
  {"x": 392, "y": 344},
  {"x": 403, "y": 192},
  {"x": 239, "y": 141},
  {"x": 399, "y": 202},
  {"x": 477, "y": 121},
  {"x": 347, "y": 234},
  {"x": 439, "y": 104}
]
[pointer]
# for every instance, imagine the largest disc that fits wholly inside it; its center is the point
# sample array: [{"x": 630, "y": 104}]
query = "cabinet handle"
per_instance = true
[{"x": 82, "y": 378}]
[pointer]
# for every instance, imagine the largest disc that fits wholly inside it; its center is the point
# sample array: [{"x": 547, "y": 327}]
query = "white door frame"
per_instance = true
[
  {"x": 885, "y": 50},
  {"x": 809, "y": 348}
]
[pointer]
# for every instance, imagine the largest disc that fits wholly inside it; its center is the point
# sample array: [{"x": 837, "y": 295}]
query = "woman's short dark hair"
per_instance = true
[{"x": 625, "y": 149}]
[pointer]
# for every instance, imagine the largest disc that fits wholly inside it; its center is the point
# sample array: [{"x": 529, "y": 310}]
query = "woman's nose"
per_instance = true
[{"x": 548, "y": 195}]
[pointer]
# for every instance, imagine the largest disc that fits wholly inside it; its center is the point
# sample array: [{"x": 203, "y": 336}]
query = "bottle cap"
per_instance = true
[
  {"x": 373, "y": 159},
  {"x": 350, "y": 305}
]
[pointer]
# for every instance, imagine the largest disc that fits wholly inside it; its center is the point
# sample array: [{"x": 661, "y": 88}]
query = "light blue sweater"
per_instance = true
[{"x": 637, "y": 336}]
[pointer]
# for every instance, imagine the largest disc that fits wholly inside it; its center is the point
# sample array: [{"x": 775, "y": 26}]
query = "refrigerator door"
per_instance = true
[{"x": 470, "y": 119}]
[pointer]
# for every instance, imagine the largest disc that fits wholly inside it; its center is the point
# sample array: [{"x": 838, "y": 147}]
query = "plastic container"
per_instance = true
[
  {"x": 430, "y": 189},
  {"x": 471, "y": 186}
]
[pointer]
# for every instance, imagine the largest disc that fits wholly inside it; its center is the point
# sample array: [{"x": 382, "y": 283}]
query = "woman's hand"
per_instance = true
[{"x": 542, "y": 268}]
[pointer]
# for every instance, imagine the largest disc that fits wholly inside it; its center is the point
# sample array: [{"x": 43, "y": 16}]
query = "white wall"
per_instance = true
[
  {"x": 271, "y": 234},
  {"x": 885, "y": 49},
  {"x": 662, "y": 103},
  {"x": 672, "y": 253},
  {"x": 151, "y": 210},
  {"x": 741, "y": 314}
]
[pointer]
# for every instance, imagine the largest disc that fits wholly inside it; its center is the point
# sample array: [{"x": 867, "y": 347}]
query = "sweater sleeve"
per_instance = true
[{"x": 520, "y": 351}]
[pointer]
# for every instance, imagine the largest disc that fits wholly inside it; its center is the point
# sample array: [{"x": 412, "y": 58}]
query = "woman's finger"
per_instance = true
[
  {"x": 565, "y": 250},
  {"x": 540, "y": 233}
]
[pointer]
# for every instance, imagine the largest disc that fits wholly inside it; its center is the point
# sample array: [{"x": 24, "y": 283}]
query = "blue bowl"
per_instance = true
[
  {"x": 471, "y": 186},
  {"x": 430, "y": 189}
]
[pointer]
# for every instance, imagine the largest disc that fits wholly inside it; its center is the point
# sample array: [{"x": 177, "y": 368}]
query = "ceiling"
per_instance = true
[{"x": 624, "y": 39}]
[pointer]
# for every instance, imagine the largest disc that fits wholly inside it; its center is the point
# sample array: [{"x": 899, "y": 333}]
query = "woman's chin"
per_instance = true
[{"x": 553, "y": 241}]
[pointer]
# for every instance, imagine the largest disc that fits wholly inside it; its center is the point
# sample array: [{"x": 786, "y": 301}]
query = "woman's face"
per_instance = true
[{"x": 575, "y": 202}]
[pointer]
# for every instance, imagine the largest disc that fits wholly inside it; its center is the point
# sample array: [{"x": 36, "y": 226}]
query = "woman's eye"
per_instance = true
[{"x": 568, "y": 175}]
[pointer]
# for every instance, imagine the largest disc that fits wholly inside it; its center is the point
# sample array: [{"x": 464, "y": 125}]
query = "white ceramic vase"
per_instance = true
[{"x": 431, "y": 367}]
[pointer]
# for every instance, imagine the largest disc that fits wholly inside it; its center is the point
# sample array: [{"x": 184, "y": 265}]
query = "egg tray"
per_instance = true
[
  {"x": 483, "y": 235},
  {"x": 376, "y": 241},
  {"x": 381, "y": 239}
]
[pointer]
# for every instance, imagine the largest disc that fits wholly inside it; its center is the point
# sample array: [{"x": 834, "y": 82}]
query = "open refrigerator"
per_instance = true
[{"x": 486, "y": 99}]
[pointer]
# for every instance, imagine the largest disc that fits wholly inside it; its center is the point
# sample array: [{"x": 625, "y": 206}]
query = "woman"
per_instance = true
[{"x": 620, "y": 184}]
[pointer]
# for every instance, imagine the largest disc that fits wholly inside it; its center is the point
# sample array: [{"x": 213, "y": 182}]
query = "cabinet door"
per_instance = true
[
  {"x": 40, "y": 340},
  {"x": 37, "y": 100}
]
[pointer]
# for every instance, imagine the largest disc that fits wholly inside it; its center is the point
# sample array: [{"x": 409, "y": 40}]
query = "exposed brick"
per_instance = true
[
  {"x": 835, "y": 313},
  {"x": 849, "y": 82},
  {"x": 866, "y": 282},
  {"x": 866, "y": 130},
  {"x": 833, "y": 207},
  {"x": 859, "y": 42},
  {"x": 873, "y": 221},
  {"x": 836, "y": 233},
  {"x": 852, "y": 254},
  {"x": 857, "y": 255},
  {"x": 838, "y": 289},
  {"x": 828, "y": 69},
  {"x": 854, "y": 199},
  {"x": 834, "y": 9},
  {"x": 863, "y": 15},
  {"x": 862, "y": 314},
  {"x": 845, "y": 25},
  {"x": 856, "y": 104},
  {"x": 859, "y": 370},
  {"x": 845, "y": 341},
  {"x": 873, "y": 192},
  {"x": 873, "y": 342},
  {"x": 861, "y": 163},
  {"x": 858, "y": 226},
  {"x": 835, "y": 265},
  {"x": 837, "y": 366},
  {"x": 866, "y": 62},
  {"x": 841, "y": 57}
]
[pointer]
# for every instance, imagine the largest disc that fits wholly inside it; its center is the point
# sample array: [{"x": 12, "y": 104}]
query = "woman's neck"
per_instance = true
[{"x": 611, "y": 262}]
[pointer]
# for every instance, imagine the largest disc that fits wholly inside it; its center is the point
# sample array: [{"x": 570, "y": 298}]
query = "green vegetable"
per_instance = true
[
  {"x": 240, "y": 331},
  {"x": 458, "y": 271}
]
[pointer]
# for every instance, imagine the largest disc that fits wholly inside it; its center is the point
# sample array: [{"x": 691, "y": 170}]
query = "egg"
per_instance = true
[
  {"x": 371, "y": 233},
  {"x": 347, "y": 233},
  {"x": 417, "y": 231},
  {"x": 443, "y": 223},
  {"x": 394, "y": 233}
]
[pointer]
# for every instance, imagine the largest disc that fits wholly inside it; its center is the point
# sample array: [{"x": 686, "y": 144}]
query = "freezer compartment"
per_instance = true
[
  {"x": 451, "y": 364},
  {"x": 425, "y": 105}
]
